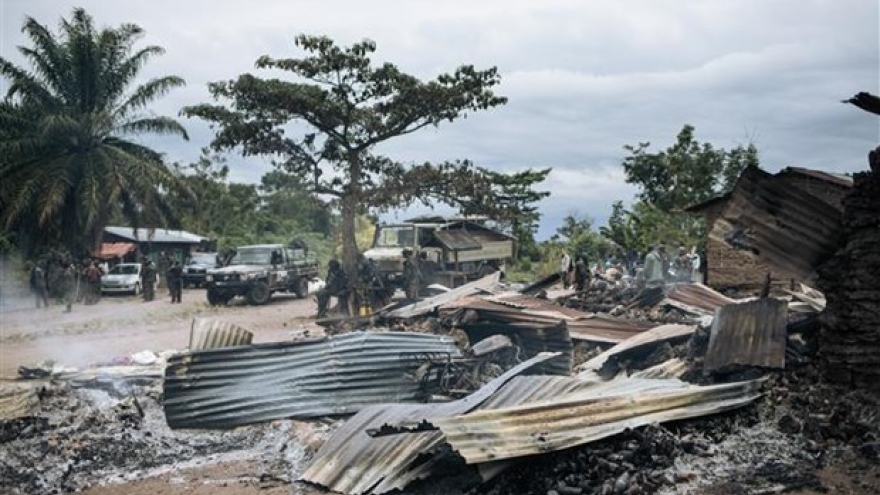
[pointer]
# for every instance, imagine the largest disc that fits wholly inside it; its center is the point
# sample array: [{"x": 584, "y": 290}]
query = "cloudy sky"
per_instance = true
[{"x": 584, "y": 78}]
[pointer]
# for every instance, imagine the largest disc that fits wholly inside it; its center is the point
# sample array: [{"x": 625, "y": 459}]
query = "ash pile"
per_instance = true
[{"x": 479, "y": 389}]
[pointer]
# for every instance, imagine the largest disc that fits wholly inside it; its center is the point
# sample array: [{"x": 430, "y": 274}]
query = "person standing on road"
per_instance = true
[
  {"x": 93, "y": 278},
  {"x": 148, "y": 280},
  {"x": 175, "y": 282},
  {"x": 39, "y": 286},
  {"x": 162, "y": 267},
  {"x": 412, "y": 276},
  {"x": 68, "y": 284},
  {"x": 335, "y": 285}
]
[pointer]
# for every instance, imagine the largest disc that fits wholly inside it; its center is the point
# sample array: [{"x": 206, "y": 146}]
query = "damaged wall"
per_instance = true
[{"x": 851, "y": 322}]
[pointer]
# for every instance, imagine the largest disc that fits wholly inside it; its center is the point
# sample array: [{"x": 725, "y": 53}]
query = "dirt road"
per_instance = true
[{"x": 122, "y": 325}]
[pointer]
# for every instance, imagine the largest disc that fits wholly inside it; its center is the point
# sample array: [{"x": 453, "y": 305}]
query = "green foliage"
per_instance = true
[
  {"x": 576, "y": 235},
  {"x": 686, "y": 173},
  {"x": 67, "y": 163},
  {"x": 279, "y": 210},
  {"x": 350, "y": 104}
]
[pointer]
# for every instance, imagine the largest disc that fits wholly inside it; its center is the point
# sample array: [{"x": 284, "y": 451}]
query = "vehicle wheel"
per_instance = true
[
  {"x": 302, "y": 288},
  {"x": 137, "y": 288},
  {"x": 216, "y": 299},
  {"x": 259, "y": 293}
]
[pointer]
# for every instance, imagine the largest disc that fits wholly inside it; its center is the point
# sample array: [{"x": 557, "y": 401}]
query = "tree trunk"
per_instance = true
[{"x": 349, "y": 210}]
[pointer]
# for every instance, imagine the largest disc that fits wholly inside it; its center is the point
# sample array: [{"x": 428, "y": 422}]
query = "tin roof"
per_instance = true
[
  {"x": 696, "y": 298},
  {"x": 787, "y": 228},
  {"x": 752, "y": 333},
  {"x": 232, "y": 386},
  {"x": 583, "y": 416},
  {"x": 156, "y": 236},
  {"x": 352, "y": 462}
]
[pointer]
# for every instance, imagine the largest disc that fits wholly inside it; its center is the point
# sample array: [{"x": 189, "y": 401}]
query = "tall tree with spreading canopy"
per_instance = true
[
  {"x": 349, "y": 105},
  {"x": 67, "y": 160},
  {"x": 684, "y": 174}
]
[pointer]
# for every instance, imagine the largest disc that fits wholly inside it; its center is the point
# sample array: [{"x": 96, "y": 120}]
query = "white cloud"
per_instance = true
[{"x": 584, "y": 78}]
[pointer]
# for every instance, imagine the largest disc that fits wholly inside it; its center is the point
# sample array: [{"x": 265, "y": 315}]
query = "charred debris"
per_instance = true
[{"x": 482, "y": 389}]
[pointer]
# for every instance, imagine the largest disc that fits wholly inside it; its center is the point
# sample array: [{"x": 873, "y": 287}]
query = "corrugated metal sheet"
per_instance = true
[
  {"x": 513, "y": 308},
  {"x": 673, "y": 368},
  {"x": 223, "y": 388},
  {"x": 584, "y": 416},
  {"x": 17, "y": 401},
  {"x": 541, "y": 284},
  {"x": 653, "y": 337},
  {"x": 156, "y": 235},
  {"x": 206, "y": 333},
  {"x": 457, "y": 240},
  {"x": 787, "y": 228},
  {"x": 838, "y": 179},
  {"x": 487, "y": 284},
  {"x": 751, "y": 333},
  {"x": 354, "y": 463},
  {"x": 696, "y": 298}
]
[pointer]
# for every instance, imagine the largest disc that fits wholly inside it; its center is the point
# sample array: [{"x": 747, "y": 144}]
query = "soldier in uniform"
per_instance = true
[
  {"x": 148, "y": 280},
  {"x": 39, "y": 286},
  {"x": 175, "y": 282},
  {"x": 412, "y": 276},
  {"x": 336, "y": 285},
  {"x": 68, "y": 284},
  {"x": 581, "y": 273}
]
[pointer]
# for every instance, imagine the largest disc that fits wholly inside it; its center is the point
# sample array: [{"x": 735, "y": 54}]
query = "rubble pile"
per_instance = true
[
  {"x": 87, "y": 437},
  {"x": 851, "y": 321}
]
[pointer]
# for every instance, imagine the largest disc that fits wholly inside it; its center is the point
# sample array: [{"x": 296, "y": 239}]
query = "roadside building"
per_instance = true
[{"x": 130, "y": 244}]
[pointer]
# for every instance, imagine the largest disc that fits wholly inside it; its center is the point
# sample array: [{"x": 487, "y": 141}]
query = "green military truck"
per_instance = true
[
  {"x": 456, "y": 250},
  {"x": 258, "y": 271}
]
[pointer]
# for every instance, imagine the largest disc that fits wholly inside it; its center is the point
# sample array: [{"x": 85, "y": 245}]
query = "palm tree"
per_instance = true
[{"x": 67, "y": 161}]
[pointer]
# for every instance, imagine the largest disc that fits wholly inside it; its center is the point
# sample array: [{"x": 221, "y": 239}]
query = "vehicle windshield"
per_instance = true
[
  {"x": 395, "y": 236},
  {"x": 203, "y": 259},
  {"x": 124, "y": 270},
  {"x": 253, "y": 256}
]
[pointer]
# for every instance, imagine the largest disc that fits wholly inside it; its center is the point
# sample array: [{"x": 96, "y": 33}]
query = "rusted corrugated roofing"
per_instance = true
[
  {"x": 487, "y": 284},
  {"x": 837, "y": 179},
  {"x": 657, "y": 335},
  {"x": 223, "y": 388},
  {"x": 212, "y": 334},
  {"x": 517, "y": 308},
  {"x": 584, "y": 416},
  {"x": 751, "y": 333},
  {"x": 696, "y": 298},
  {"x": 352, "y": 462},
  {"x": 789, "y": 229}
]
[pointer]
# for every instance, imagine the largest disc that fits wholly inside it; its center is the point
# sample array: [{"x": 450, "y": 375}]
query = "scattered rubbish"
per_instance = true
[
  {"x": 607, "y": 363},
  {"x": 751, "y": 334},
  {"x": 487, "y": 284}
]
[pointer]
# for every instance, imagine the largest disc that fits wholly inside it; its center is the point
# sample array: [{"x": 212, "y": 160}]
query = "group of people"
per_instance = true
[
  {"x": 656, "y": 268},
  {"x": 66, "y": 281},
  {"x": 166, "y": 272},
  {"x": 367, "y": 288}
]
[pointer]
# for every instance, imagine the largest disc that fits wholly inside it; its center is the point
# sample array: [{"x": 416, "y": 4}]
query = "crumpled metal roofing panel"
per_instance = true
[
  {"x": 698, "y": 297},
  {"x": 526, "y": 310},
  {"x": 584, "y": 416},
  {"x": 354, "y": 463},
  {"x": 662, "y": 333},
  {"x": 223, "y": 388},
  {"x": 487, "y": 284},
  {"x": 751, "y": 333},
  {"x": 787, "y": 228}
]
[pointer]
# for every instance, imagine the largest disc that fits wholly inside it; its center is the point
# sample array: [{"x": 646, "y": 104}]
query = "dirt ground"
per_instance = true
[{"x": 123, "y": 325}]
